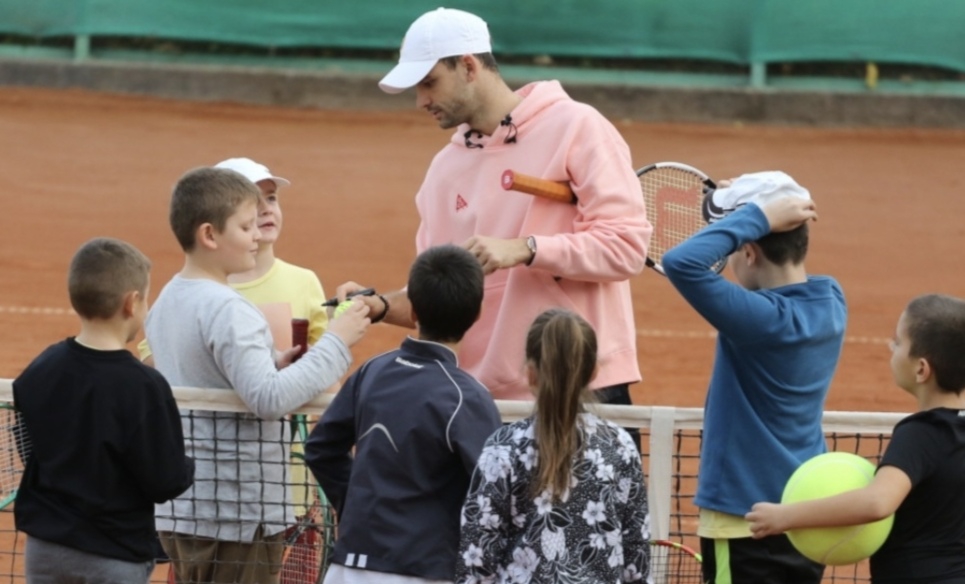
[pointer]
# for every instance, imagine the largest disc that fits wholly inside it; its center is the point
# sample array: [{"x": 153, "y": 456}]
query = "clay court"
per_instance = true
[{"x": 78, "y": 165}]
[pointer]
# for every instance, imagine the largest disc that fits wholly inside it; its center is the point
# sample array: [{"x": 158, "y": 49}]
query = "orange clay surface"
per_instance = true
[{"x": 76, "y": 165}]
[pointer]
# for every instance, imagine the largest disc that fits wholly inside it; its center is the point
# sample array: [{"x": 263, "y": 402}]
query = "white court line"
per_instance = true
[
  {"x": 710, "y": 334},
  {"x": 652, "y": 333},
  {"x": 44, "y": 310}
]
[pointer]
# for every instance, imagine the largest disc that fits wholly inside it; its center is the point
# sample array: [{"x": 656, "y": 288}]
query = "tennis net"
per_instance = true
[{"x": 670, "y": 440}]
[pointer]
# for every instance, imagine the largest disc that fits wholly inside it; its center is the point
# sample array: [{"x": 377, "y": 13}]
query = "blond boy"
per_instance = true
[{"x": 229, "y": 526}]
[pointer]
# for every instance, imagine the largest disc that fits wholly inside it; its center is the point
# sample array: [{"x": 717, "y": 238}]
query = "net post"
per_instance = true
[
  {"x": 759, "y": 75},
  {"x": 81, "y": 47},
  {"x": 660, "y": 471}
]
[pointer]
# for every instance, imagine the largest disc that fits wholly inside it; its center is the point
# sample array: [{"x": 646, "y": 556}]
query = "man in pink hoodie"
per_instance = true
[{"x": 536, "y": 253}]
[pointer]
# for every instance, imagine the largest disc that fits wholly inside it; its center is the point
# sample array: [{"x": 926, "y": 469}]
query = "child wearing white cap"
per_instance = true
[
  {"x": 274, "y": 285},
  {"x": 275, "y": 281},
  {"x": 780, "y": 333}
]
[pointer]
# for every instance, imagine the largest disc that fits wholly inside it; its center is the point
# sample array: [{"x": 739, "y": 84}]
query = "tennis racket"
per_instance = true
[
  {"x": 14, "y": 450},
  {"x": 302, "y": 561},
  {"x": 308, "y": 543},
  {"x": 674, "y": 563},
  {"x": 673, "y": 193}
]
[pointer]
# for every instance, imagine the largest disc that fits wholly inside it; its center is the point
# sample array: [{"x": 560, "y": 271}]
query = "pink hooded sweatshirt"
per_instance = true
[{"x": 586, "y": 252}]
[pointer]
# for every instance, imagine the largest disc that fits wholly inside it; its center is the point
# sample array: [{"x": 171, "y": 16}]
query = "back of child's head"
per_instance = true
[
  {"x": 446, "y": 290},
  {"x": 936, "y": 329},
  {"x": 207, "y": 195},
  {"x": 561, "y": 350},
  {"x": 788, "y": 247},
  {"x": 101, "y": 273}
]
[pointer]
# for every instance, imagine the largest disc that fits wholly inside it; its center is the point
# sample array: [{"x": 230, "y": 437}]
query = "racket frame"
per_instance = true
[
  {"x": 672, "y": 562},
  {"x": 708, "y": 187}
]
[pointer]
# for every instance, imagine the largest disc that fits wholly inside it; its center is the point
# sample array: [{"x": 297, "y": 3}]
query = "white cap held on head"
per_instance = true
[
  {"x": 252, "y": 170},
  {"x": 444, "y": 32},
  {"x": 757, "y": 188}
]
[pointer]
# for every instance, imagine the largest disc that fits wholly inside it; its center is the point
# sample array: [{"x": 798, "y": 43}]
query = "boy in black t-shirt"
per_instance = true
[
  {"x": 921, "y": 476},
  {"x": 102, "y": 433}
]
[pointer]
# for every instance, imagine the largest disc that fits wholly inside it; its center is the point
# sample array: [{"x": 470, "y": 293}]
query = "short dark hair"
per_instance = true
[
  {"x": 207, "y": 195},
  {"x": 101, "y": 273},
  {"x": 446, "y": 291},
  {"x": 936, "y": 329},
  {"x": 786, "y": 247},
  {"x": 487, "y": 59}
]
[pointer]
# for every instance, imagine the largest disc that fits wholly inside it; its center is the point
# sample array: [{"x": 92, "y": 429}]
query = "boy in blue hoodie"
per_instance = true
[{"x": 780, "y": 333}]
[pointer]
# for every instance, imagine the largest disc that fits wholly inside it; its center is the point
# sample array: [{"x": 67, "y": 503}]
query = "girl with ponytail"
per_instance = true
[{"x": 559, "y": 496}]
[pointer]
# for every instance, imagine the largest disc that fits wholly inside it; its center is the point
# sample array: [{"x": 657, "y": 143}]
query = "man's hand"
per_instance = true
[
  {"x": 497, "y": 254},
  {"x": 376, "y": 307}
]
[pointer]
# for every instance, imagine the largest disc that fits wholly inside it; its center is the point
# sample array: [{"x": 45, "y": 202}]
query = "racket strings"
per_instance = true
[
  {"x": 15, "y": 447},
  {"x": 673, "y": 199},
  {"x": 673, "y": 563}
]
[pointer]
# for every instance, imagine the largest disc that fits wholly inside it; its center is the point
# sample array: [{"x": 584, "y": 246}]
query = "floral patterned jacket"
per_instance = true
[{"x": 599, "y": 532}]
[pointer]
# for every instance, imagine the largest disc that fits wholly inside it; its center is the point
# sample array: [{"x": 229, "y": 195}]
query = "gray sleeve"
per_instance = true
[{"x": 242, "y": 346}]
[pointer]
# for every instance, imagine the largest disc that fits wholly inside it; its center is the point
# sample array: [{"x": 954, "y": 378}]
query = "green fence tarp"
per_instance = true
[{"x": 742, "y": 32}]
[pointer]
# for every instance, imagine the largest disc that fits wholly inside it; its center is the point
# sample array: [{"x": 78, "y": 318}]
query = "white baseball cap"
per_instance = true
[
  {"x": 444, "y": 32},
  {"x": 757, "y": 188},
  {"x": 252, "y": 170}
]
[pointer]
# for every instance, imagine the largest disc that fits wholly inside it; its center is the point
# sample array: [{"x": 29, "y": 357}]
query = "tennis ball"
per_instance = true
[
  {"x": 822, "y": 476},
  {"x": 342, "y": 307}
]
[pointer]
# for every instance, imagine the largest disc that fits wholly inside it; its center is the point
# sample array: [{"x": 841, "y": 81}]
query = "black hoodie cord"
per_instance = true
[
  {"x": 508, "y": 121},
  {"x": 510, "y": 138},
  {"x": 468, "y": 135}
]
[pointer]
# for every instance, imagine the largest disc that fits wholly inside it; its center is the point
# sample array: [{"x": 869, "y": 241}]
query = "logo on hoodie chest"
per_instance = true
[{"x": 460, "y": 203}]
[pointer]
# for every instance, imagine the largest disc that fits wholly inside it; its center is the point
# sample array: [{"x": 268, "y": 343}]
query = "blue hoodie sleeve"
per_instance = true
[{"x": 741, "y": 314}]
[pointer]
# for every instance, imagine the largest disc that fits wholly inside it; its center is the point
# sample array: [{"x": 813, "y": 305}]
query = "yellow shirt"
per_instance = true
[
  {"x": 297, "y": 287},
  {"x": 717, "y": 525}
]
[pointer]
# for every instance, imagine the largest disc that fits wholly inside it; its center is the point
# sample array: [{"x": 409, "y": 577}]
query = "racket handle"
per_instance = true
[
  {"x": 299, "y": 336},
  {"x": 539, "y": 187}
]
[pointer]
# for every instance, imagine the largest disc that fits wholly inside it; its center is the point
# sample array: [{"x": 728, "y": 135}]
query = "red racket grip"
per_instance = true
[{"x": 539, "y": 187}]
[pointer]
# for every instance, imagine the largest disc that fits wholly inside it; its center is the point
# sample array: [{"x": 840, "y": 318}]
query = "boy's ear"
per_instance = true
[
  {"x": 130, "y": 300},
  {"x": 923, "y": 370},
  {"x": 751, "y": 253},
  {"x": 204, "y": 236}
]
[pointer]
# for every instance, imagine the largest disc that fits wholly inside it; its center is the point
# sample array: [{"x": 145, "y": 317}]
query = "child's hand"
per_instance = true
[
  {"x": 765, "y": 519},
  {"x": 787, "y": 213},
  {"x": 351, "y": 325},
  {"x": 284, "y": 358}
]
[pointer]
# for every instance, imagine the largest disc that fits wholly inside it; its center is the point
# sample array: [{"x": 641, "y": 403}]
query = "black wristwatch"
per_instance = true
[{"x": 531, "y": 244}]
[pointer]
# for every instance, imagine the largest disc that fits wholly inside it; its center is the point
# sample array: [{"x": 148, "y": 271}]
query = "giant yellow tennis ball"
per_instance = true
[
  {"x": 822, "y": 476},
  {"x": 342, "y": 307}
]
